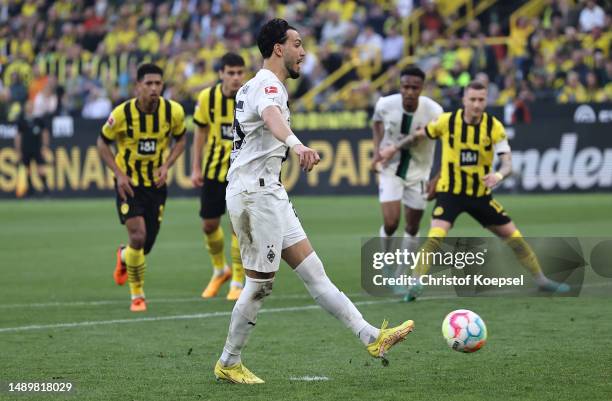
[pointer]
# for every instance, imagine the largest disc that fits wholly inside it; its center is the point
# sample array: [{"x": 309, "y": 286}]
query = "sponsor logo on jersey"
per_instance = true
[{"x": 270, "y": 90}]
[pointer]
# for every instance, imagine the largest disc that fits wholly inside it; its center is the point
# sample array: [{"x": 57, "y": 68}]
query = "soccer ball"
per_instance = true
[{"x": 464, "y": 331}]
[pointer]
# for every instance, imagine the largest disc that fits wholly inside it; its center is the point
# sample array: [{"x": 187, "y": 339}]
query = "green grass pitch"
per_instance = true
[{"x": 68, "y": 321}]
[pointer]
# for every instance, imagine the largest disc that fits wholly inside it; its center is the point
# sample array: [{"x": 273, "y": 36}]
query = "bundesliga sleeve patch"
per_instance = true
[
  {"x": 110, "y": 121},
  {"x": 270, "y": 90}
]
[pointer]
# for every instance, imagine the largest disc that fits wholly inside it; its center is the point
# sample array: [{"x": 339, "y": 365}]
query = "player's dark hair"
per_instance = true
[
  {"x": 231, "y": 60},
  {"x": 413, "y": 71},
  {"x": 476, "y": 85},
  {"x": 148, "y": 68},
  {"x": 273, "y": 32}
]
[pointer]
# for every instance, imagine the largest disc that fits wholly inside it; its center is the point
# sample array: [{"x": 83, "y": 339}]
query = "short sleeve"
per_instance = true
[
  {"x": 269, "y": 94},
  {"x": 178, "y": 120},
  {"x": 378, "y": 111},
  {"x": 437, "y": 110},
  {"x": 112, "y": 126},
  {"x": 200, "y": 116},
  {"x": 498, "y": 134},
  {"x": 436, "y": 128}
]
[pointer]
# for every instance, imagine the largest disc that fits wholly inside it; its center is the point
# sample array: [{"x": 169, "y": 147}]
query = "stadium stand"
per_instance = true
[{"x": 86, "y": 51}]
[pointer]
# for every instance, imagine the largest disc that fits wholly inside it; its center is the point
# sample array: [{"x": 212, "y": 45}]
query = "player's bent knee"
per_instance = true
[
  {"x": 390, "y": 228},
  {"x": 210, "y": 226},
  {"x": 251, "y": 298},
  {"x": 312, "y": 273},
  {"x": 412, "y": 229},
  {"x": 137, "y": 239}
]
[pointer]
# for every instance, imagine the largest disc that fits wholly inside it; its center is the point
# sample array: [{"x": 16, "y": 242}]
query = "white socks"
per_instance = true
[
  {"x": 327, "y": 295},
  {"x": 244, "y": 317}
]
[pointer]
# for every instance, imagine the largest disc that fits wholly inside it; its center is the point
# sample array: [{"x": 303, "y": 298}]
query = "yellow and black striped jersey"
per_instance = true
[
  {"x": 467, "y": 151},
  {"x": 215, "y": 110},
  {"x": 142, "y": 138}
]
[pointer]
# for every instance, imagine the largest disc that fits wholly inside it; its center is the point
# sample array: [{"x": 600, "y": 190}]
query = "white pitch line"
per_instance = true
[
  {"x": 198, "y": 299},
  {"x": 162, "y": 318},
  {"x": 309, "y": 378},
  {"x": 150, "y": 301}
]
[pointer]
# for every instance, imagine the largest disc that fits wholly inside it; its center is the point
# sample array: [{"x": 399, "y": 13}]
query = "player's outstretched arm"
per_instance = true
[
  {"x": 124, "y": 187},
  {"x": 175, "y": 152},
  {"x": 199, "y": 142},
  {"x": 505, "y": 169},
  {"x": 277, "y": 125},
  {"x": 388, "y": 152}
]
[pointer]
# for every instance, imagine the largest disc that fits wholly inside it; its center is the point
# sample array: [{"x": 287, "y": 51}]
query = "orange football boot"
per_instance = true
[
  {"x": 120, "y": 274},
  {"x": 138, "y": 305},
  {"x": 216, "y": 282}
]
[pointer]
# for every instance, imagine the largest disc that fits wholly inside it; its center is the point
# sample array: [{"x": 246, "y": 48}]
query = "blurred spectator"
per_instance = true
[
  {"x": 508, "y": 93},
  {"x": 518, "y": 44},
  {"x": 334, "y": 30},
  {"x": 592, "y": 16},
  {"x": 593, "y": 91},
  {"x": 17, "y": 90},
  {"x": 369, "y": 43},
  {"x": 46, "y": 101},
  {"x": 542, "y": 92},
  {"x": 97, "y": 105},
  {"x": 483, "y": 58},
  {"x": 392, "y": 47},
  {"x": 38, "y": 82},
  {"x": 493, "y": 89},
  {"x": 431, "y": 19},
  {"x": 573, "y": 91}
]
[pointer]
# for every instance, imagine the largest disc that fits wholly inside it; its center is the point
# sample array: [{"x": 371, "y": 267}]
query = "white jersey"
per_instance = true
[
  {"x": 257, "y": 155},
  {"x": 413, "y": 163}
]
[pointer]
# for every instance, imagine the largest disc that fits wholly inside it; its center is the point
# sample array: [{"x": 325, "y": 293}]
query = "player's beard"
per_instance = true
[{"x": 293, "y": 74}]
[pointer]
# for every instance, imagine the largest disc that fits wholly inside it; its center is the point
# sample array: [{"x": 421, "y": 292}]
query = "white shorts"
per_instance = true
[
  {"x": 265, "y": 224},
  {"x": 392, "y": 188}
]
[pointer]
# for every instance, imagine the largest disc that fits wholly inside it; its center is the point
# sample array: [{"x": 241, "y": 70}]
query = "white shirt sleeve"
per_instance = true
[
  {"x": 502, "y": 147},
  {"x": 268, "y": 94}
]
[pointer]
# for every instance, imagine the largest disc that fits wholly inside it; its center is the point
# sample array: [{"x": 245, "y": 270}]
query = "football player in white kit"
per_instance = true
[
  {"x": 265, "y": 222},
  {"x": 404, "y": 172}
]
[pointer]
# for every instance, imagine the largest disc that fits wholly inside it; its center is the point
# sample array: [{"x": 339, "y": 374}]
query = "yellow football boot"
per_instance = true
[
  {"x": 389, "y": 337},
  {"x": 237, "y": 373}
]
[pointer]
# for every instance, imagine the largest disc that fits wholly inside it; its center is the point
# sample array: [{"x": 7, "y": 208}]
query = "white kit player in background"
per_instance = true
[
  {"x": 404, "y": 167},
  {"x": 265, "y": 222}
]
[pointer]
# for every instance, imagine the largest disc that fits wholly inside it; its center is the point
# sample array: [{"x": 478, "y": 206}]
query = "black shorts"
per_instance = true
[
  {"x": 212, "y": 199},
  {"x": 27, "y": 158},
  {"x": 484, "y": 209},
  {"x": 148, "y": 202}
]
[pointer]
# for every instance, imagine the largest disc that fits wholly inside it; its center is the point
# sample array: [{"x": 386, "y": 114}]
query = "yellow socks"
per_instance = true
[
  {"x": 135, "y": 263},
  {"x": 524, "y": 253},
  {"x": 435, "y": 236},
  {"x": 214, "y": 243},
  {"x": 237, "y": 268}
]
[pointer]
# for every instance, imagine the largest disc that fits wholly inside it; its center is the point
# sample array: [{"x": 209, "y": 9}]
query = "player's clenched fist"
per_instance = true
[{"x": 308, "y": 157}]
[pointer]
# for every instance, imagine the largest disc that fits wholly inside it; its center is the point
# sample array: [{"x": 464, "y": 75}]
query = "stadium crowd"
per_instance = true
[{"x": 79, "y": 57}]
